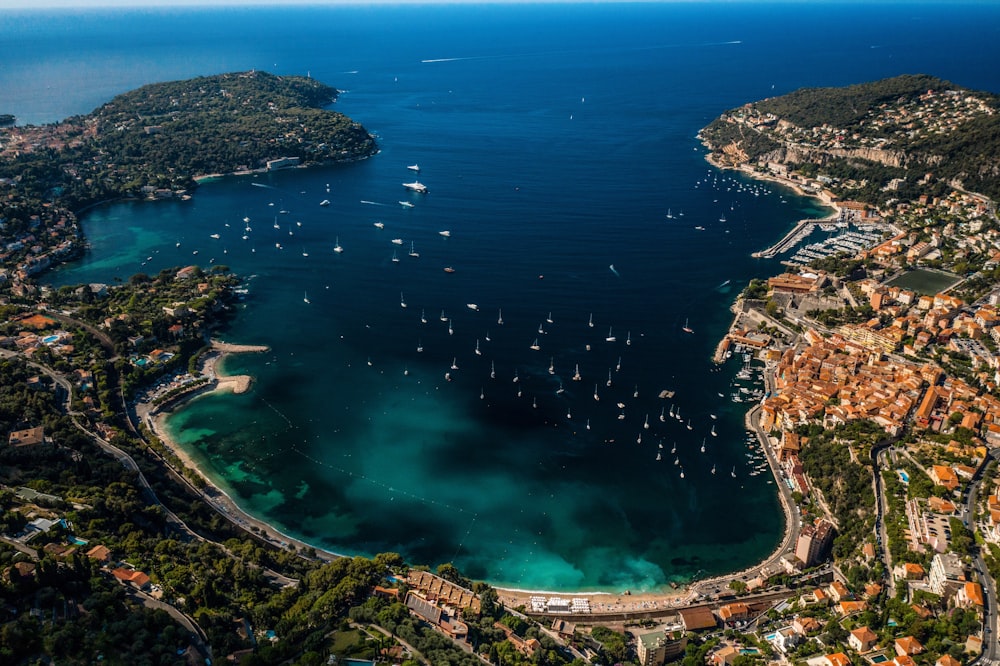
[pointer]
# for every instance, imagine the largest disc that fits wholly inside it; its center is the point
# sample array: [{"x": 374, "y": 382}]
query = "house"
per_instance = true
[
  {"x": 736, "y": 612},
  {"x": 837, "y": 659},
  {"x": 28, "y": 437},
  {"x": 786, "y": 639},
  {"x": 99, "y": 554},
  {"x": 724, "y": 656},
  {"x": 136, "y": 579},
  {"x": 908, "y": 646},
  {"x": 848, "y": 607},
  {"x": 947, "y": 660},
  {"x": 839, "y": 592},
  {"x": 862, "y": 639},
  {"x": 969, "y": 595},
  {"x": 806, "y": 625},
  {"x": 943, "y": 475}
]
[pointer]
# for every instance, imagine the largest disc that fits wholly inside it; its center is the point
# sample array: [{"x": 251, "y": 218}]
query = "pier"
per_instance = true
[{"x": 790, "y": 240}]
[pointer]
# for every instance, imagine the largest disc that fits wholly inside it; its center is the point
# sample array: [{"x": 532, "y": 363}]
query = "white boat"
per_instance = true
[
  {"x": 451, "y": 331},
  {"x": 686, "y": 328},
  {"x": 406, "y": 204},
  {"x": 549, "y": 318},
  {"x": 569, "y": 414},
  {"x": 609, "y": 377},
  {"x": 534, "y": 345},
  {"x": 304, "y": 253},
  {"x": 638, "y": 440},
  {"x": 397, "y": 241},
  {"x": 493, "y": 371},
  {"x": 442, "y": 317},
  {"x": 713, "y": 431},
  {"x": 576, "y": 374},
  {"x": 733, "y": 473},
  {"x": 713, "y": 469},
  {"x": 703, "y": 445},
  {"x": 413, "y": 253},
  {"x": 611, "y": 337},
  {"x": 516, "y": 378},
  {"x": 659, "y": 456},
  {"x": 689, "y": 424},
  {"x": 454, "y": 363},
  {"x": 324, "y": 202},
  {"x": 414, "y": 167},
  {"x": 402, "y": 302},
  {"x": 670, "y": 215},
  {"x": 645, "y": 425},
  {"x": 591, "y": 322},
  {"x": 596, "y": 397},
  {"x": 500, "y": 317},
  {"x": 722, "y": 218},
  {"x": 445, "y": 233},
  {"x": 337, "y": 248},
  {"x": 663, "y": 417},
  {"x": 379, "y": 225},
  {"x": 472, "y": 306},
  {"x": 618, "y": 366},
  {"x": 215, "y": 236},
  {"x": 395, "y": 259},
  {"x": 478, "y": 353},
  {"x": 416, "y": 186},
  {"x": 305, "y": 298},
  {"x": 552, "y": 366},
  {"x": 588, "y": 424},
  {"x": 628, "y": 338}
]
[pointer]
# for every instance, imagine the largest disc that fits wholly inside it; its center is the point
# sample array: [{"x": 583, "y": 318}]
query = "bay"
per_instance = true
[{"x": 554, "y": 141}]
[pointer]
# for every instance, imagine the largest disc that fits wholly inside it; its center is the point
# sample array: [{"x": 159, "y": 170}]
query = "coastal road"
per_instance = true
[
  {"x": 991, "y": 648},
  {"x": 879, "y": 453}
]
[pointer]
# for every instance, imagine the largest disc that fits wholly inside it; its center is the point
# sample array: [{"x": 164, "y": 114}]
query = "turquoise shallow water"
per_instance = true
[{"x": 554, "y": 142}]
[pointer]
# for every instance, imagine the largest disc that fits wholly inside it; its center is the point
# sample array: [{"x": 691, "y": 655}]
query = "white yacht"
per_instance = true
[
  {"x": 337, "y": 248},
  {"x": 416, "y": 186}
]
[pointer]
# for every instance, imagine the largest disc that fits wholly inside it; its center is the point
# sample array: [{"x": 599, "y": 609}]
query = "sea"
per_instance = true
[{"x": 436, "y": 413}]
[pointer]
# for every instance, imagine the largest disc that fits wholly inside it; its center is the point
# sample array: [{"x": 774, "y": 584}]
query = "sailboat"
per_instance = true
[
  {"x": 500, "y": 317},
  {"x": 733, "y": 473},
  {"x": 442, "y": 317},
  {"x": 659, "y": 456},
  {"x": 552, "y": 366},
  {"x": 686, "y": 328},
  {"x": 628, "y": 338},
  {"x": 569, "y": 414},
  {"x": 689, "y": 424},
  {"x": 305, "y": 298},
  {"x": 549, "y": 318},
  {"x": 413, "y": 253},
  {"x": 493, "y": 371},
  {"x": 673, "y": 449},
  {"x": 534, "y": 345},
  {"x": 395, "y": 259},
  {"x": 645, "y": 425},
  {"x": 596, "y": 397},
  {"x": 451, "y": 331},
  {"x": 478, "y": 353},
  {"x": 713, "y": 431},
  {"x": 703, "y": 445},
  {"x": 713, "y": 469},
  {"x": 611, "y": 337},
  {"x": 516, "y": 378},
  {"x": 638, "y": 440},
  {"x": 454, "y": 363},
  {"x": 482, "y": 394},
  {"x": 402, "y": 303},
  {"x": 671, "y": 411},
  {"x": 420, "y": 346},
  {"x": 663, "y": 417},
  {"x": 576, "y": 374},
  {"x": 337, "y": 248},
  {"x": 588, "y": 424},
  {"x": 423, "y": 317},
  {"x": 609, "y": 377},
  {"x": 591, "y": 322},
  {"x": 618, "y": 366}
]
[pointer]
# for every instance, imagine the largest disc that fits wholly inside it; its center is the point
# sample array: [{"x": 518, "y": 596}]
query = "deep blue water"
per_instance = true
[{"x": 554, "y": 141}]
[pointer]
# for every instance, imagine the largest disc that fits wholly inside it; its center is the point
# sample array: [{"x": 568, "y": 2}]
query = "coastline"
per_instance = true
[
  {"x": 663, "y": 597},
  {"x": 217, "y": 498}
]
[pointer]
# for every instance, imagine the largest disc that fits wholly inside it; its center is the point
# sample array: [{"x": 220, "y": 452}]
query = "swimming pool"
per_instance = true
[
  {"x": 50, "y": 339},
  {"x": 903, "y": 476}
]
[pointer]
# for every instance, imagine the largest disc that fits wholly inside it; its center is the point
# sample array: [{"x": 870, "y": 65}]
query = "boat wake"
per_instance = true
[{"x": 372, "y": 203}]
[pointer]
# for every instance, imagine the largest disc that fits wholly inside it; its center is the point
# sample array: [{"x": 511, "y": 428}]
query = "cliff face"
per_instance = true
[{"x": 794, "y": 154}]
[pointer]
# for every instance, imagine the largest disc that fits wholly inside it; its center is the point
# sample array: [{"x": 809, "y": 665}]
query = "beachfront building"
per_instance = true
[
  {"x": 657, "y": 647},
  {"x": 814, "y": 542}
]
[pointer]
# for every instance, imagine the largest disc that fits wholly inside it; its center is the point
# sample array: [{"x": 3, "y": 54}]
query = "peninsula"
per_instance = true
[{"x": 879, "y": 349}]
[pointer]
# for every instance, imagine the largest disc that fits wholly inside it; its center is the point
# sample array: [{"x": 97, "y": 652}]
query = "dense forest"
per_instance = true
[{"x": 164, "y": 134}]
